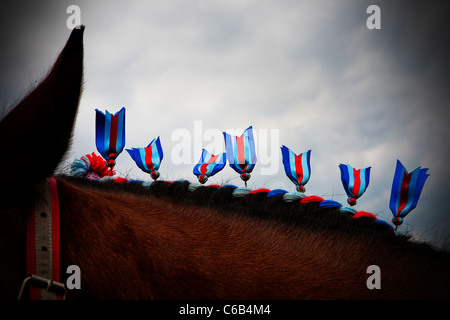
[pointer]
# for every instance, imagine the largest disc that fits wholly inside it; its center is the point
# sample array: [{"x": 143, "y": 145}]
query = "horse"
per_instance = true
[{"x": 170, "y": 241}]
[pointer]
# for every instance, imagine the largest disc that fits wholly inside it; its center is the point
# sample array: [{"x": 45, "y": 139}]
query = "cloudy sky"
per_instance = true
[{"x": 305, "y": 74}]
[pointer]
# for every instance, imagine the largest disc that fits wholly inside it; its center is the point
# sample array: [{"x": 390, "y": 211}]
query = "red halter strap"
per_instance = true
[{"x": 42, "y": 252}]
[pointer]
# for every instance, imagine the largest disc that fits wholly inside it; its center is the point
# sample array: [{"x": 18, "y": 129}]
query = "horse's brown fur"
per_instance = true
[
  {"x": 168, "y": 243},
  {"x": 161, "y": 247}
]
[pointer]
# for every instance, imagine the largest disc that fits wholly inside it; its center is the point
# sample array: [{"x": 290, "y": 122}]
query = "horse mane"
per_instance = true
[
  {"x": 294, "y": 216},
  {"x": 261, "y": 204}
]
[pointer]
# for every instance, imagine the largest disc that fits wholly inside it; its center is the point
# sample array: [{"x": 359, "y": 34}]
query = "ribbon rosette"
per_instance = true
[
  {"x": 241, "y": 153},
  {"x": 209, "y": 165},
  {"x": 355, "y": 182},
  {"x": 406, "y": 190},
  {"x": 297, "y": 167},
  {"x": 148, "y": 159},
  {"x": 110, "y": 135},
  {"x": 89, "y": 166}
]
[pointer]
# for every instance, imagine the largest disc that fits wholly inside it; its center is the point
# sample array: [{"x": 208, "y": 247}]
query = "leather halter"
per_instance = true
[{"x": 43, "y": 245}]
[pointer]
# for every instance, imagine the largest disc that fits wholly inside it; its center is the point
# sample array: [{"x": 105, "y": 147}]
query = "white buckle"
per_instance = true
[{"x": 55, "y": 287}]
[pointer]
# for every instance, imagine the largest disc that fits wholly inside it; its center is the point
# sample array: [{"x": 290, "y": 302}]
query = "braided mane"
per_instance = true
[{"x": 279, "y": 206}]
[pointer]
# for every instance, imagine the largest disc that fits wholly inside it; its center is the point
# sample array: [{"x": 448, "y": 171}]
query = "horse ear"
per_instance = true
[{"x": 36, "y": 133}]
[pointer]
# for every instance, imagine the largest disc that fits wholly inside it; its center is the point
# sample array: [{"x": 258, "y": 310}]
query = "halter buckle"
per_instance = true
[{"x": 55, "y": 287}]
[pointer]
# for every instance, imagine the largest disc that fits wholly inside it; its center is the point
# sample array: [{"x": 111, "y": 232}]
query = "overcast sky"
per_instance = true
[{"x": 305, "y": 74}]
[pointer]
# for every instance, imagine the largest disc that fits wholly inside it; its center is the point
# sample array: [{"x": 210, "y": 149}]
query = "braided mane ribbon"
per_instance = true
[
  {"x": 297, "y": 167},
  {"x": 90, "y": 166},
  {"x": 209, "y": 165},
  {"x": 110, "y": 135},
  {"x": 406, "y": 190},
  {"x": 355, "y": 182},
  {"x": 148, "y": 159},
  {"x": 241, "y": 153}
]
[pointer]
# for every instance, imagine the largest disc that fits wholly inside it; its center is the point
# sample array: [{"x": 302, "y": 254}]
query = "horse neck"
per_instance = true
[{"x": 142, "y": 247}]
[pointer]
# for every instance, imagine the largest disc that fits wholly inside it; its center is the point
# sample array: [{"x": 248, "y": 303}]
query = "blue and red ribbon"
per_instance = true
[
  {"x": 355, "y": 182},
  {"x": 110, "y": 135},
  {"x": 297, "y": 167},
  {"x": 148, "y": 159},
  {"x": 90, "y": 166},
  {"x": 406, "y": 190},
  {"x": 241, "y": 152},
  {"x": 209, "y": 165}
]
